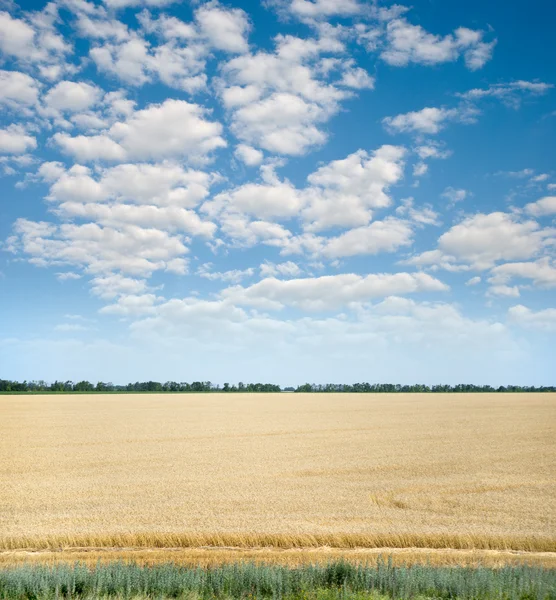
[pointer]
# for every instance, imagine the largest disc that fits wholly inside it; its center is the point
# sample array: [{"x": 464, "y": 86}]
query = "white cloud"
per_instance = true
[
  {"x": 132, "y": 306},
  {"x": 265, "y": 201},
  {"x": 15, "y": 140},
  {"x": 170, "y": 218},
  {"x": 482, "y": 240},
  {"x": 428, "y": 120},
  {"x": 454, "y": 195},
  {"x": 162, "y": 184},
  {"x": 473, "y": 281},
  {"x": 113, "y": 285},
  {"x": 487, "y": 238},
  {"x": 380, "y": 236},
  {"x": 285, "y": 269},
  {"x": 330, "y": 292},
  {"x": 544, "y": 320},
  {"x": 160, "y": 196},
  {"x": 541, "y": 272},
  {"x": 246, "y": 233},
  {"x": 116, "y": 4},
  {"x": 136, "y": 63},
  {"x": 174, "y": 128},
  {"x": 68, "y": 275},
  {"x": 503, "y": 290},
  {"x": 357, "y": 78},
  {"x": 420, "y": 215},
  {"x": 90, "y": 148},
  {"x": 34, "y": 41},
  {"x": 249, "y": 155},
  {"x": 344, "y": 192},
  {"x": 130, "y": 249},
  {"x": 283, "y": 123},
  {"x": 278, "y": 101},
  {"x": 226, "y": 29},
  {"x": 318, "y": 9},
  {"x": 432, "y": 149},
  {"x": 72, "y": 96},
  {"x": 18, "y": 89},
  {"x": 408, "y": 43},
  {"x": 420, "y": 169},
  {"x": 232, "y": 276},
  {"x": 543, "y": 207},
  {"x": 509, "y": 93}
]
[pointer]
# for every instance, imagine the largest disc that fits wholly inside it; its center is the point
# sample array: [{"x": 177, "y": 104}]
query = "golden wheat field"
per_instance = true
[{"x": 277, "y": 473}]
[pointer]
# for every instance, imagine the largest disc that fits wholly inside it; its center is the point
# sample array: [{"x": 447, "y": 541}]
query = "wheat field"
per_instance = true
[{"x": 90, "y": 473}]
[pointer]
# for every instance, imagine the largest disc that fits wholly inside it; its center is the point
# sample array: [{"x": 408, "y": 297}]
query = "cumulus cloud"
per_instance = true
[
  {"x": 543, "y": 320},
  {"x": 427, "y": 120},
  {"x": 345, "y": 192},
  {"x": 35, "y": 42},
  {"x": 113, "y": 285},
  {"x": 482, "y": 240},
  {"x": 135, "y": 62},
  {"x": 249, "y": 155},
  {"x": 342, "y": 193},
  {"x": 174, "y": 128},
  {"x": 380, "y": 236},
  {"x": 132, "y": 306},
  {"x": 15, "y": 140},
  {"x": 17, "y": 89},
  {"x": 285, "y": 269},
  {"x": 232, "y": 276},
  {"x": 420, "y": 215},
  {"x": 543, "y": 207},
  {"x": 542, "y": 272},
  {"x": 279, "y": 100},
  {"x": 160, "y": 184},
  {"x": 330, "y": 292},
  {"x": 265, "y": 201},
  {"x": 130, "y": 249},
  {"x": 117, "y": 4},
  {"x": 407, "y": 43},
  {"x": 72, "y": 96},
  {"x": 504, "y": 290},
  {"x": 226, "y": 29},
  {"x": 160, "y": 196},
  {"x": 318, "y": 9}
]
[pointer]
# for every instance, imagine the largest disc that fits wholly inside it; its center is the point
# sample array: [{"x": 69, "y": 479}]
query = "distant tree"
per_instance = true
[{"x": 83, "y": 386}]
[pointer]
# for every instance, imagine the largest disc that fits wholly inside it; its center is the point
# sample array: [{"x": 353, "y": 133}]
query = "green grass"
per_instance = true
[{"x": 336, "y": 581}]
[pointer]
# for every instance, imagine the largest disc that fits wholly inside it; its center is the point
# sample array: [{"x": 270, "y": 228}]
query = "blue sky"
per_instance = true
[{"x": 284, "y": 191}]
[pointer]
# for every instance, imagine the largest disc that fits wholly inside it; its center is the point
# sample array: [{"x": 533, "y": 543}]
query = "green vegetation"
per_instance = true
[
  {"x": 326, "y": 582},
  {"x": 60, "y": 387}
]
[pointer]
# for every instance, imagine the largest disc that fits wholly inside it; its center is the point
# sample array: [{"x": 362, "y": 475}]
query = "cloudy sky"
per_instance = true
[{"x": 281, "y": 191}]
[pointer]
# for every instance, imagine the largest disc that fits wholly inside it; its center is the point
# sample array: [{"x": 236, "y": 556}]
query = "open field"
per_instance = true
[{"x": 279, "y": 471}]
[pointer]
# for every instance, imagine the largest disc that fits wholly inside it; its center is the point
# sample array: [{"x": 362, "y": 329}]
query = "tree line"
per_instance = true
[{"x": 206, "y": 386}]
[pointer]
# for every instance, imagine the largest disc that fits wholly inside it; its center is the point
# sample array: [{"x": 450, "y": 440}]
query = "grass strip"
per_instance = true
[{"x": 339, "y": 580}]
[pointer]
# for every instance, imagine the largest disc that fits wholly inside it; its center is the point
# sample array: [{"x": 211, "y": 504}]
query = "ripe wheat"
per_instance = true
[{"x": 278, "y": 470}]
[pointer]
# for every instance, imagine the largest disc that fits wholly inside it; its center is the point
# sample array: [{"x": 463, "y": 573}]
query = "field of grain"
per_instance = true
[{"x": 279, "y": 471}]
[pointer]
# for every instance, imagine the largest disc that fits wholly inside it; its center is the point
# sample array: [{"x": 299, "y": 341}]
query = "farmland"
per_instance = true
[{"x": 281, "y": 475}]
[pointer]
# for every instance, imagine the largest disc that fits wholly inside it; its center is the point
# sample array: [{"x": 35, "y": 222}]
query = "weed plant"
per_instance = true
[{"x": 335, "y": 581}]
